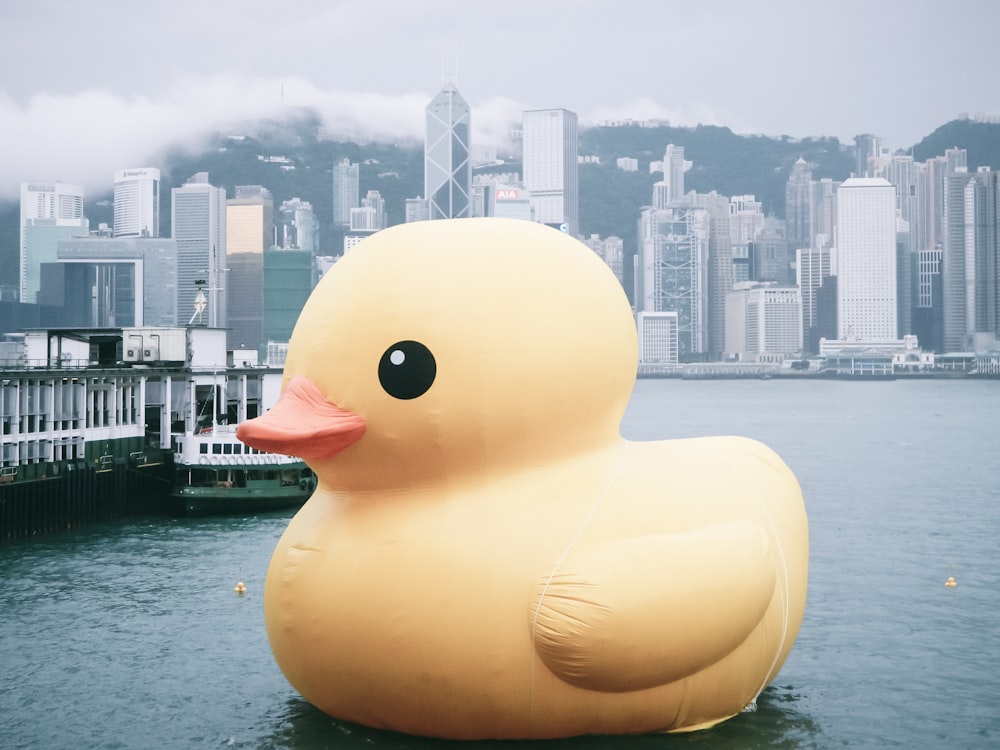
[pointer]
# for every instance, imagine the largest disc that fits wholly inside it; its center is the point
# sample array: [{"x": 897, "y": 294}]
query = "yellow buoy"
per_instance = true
[
  {"x": 240, "y": 588},
  {"x": 951, "y": 582}
]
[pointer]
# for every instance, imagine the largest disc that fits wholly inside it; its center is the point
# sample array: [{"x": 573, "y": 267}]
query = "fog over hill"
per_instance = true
[{"x": 610, "y": 199}]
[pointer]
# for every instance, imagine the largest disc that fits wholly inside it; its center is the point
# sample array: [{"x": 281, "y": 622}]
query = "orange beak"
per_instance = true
[{"x": 303, "y": 423}]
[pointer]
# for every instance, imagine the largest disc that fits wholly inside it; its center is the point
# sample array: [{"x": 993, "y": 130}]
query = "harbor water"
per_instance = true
[{"x": 130, "y": 635}]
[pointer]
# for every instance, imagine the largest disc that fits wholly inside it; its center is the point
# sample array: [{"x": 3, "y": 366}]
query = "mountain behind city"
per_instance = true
[{"x": 295, "y": 159}]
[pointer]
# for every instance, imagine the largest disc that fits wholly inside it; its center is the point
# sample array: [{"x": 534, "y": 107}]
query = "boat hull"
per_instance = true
[
  {"x": 239, "y": 489},
  {"x": 208, "y": 501}
]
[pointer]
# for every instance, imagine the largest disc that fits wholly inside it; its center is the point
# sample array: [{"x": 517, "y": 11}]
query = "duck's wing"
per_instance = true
[{"x": 647, "y": 611}]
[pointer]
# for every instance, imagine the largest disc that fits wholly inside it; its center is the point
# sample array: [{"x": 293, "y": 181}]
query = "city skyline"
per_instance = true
[
  {"x": 75, "y": 109},
  {"x": 693, "y": 245}
]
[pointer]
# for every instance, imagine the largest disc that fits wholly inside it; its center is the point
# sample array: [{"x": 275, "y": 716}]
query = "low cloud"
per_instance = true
[{"x": 83, "y": 138}]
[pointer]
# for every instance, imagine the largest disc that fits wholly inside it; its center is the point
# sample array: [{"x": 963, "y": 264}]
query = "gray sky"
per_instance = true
[{"x": 91, "y": 87}]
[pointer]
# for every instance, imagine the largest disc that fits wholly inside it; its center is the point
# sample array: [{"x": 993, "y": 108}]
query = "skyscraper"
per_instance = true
[
  {"x": 812, "y": 269},
  {"x": 50, "y": 211},
  {"x": 296, "y": 226},
  {"x": 150, "y": 263},
  {"x": 198, "y": 220},
  {"x": 866, "y": 260},
  {"x": 771, "y": 259},
  {"x": 346, "y": 189},
  {"x": 798, "y": 206},
  {"x": 550, "y": 152},
  {"x": 137, "y": 202},
  {"x": 987, "y": 307},
  {"x": 763, "y": 321},
  {"x": 866, "y": 153},
  {"x": 447, "y": 166},
  {"x": 958, "y": 253},
  {"x": 719, "y": 271},
  {"x": 672, "y": 271},
  {"x": 249, "y": 231},
  {"x": 970, "y": 261},
  {"x": 288, "y": 280},
  {"x": 374, "y": 200},
  {"x": 673, "y": 173}
]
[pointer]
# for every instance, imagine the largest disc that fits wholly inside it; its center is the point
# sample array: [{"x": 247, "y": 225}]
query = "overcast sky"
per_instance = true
[{"x": 91, "y": 87}]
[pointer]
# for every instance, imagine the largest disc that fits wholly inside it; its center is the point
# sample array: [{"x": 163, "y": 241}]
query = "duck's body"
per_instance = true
[{"x": 473, "y": 566}]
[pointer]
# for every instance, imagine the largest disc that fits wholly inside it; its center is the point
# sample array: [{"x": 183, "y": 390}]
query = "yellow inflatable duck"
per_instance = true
[{"x": 485, "y": 556}]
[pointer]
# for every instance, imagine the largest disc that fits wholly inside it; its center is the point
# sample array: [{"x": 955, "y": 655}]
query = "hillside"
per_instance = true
[{"x": 610, "y": 199}]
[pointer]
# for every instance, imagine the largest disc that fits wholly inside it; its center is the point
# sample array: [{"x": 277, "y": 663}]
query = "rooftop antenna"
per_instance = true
[{"x": 452, "y": 79}]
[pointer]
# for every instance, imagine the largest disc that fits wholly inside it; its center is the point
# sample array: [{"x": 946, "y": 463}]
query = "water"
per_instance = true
[{"x": 129, "y": 635}]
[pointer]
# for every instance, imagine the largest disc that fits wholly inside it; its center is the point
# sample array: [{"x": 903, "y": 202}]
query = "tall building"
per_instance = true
[
  {"x": 824, "y": 211},
  {"x": 957, "y": 262},
  {"x": 867, "y": 148},
  {"x": 673, "y": 173},
  {"x": 763, "y": 322},
  {"x": 657, "y": 333},
  {"x": 720, "y": 267},
  {"x": 249, "y": 231},
  {"x": 771, "y": 259},
  {"x": 447, "y": 163},
  {"x": 928, "y": 323},
  {"x": 812, "y": 269},
  {"x": 902, "y": 172},
  {"x": 612, "y": 251},
  {"x": 376, "y": 202},
  {"x": 799, "y": 205},
  {"x": 906, "y": 273},
  {"x": 137, "y": 202},
  {"x": 746, "y": 219},
  {"x": 550, "y": 167},
  {"x": 288, "y": 280},
  {"x": 957, "y": 159},
  {"x": 346, "y": 191},
  {"x": 148, "y": 264},
  {"x": 416, "y": 210},
  {"x": 296, "y": 226},
  {"x": 198, "y": 222},
  {"x": 970, "y": 260},
  {"x": 671, "y": 272},
  {"x": 987, "y": 306},
  {"x": 504, "y": 196},
  {"x": 866, "y": 260},
  {"x": 810, "y": 207},
  {"x": 50, "y": 211}
]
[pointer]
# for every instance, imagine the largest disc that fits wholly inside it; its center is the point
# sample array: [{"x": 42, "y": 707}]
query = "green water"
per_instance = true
[{"x": 130, "y": 635}]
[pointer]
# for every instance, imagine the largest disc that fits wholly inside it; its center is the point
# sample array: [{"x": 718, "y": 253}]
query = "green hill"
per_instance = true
[
  {"x": 981, "y": 140},
  {"x": 610, "y": 199}
]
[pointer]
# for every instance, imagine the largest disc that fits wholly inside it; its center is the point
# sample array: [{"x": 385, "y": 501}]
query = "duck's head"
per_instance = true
[{"x": 441, "y": 347}]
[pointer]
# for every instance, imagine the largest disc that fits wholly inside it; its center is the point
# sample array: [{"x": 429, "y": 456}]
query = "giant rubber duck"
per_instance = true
[{"x": 485, "y": 556}]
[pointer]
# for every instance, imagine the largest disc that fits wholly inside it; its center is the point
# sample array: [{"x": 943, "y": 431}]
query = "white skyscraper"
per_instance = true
[
  {"x": 673, "y": 172},
  {"x": 866, "y": 260},
  {"x": 50, "y": 211},
  {"x": 763, "y": 321},
  {"x": 346, "y": 187},
  {"x": 447, "y": 163},
  {"x": 137, "y": 202},
  {"x": 198, "y": 218},
  {"x": 550, "y": 152}
]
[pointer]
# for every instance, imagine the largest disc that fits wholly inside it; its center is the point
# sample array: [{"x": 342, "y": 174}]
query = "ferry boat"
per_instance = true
[
  {"x": 110, "y": 422},
  {"x": 216, "y": 473}
]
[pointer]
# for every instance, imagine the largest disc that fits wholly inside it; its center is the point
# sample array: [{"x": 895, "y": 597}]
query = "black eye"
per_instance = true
[{"x": 407, "y": 369}]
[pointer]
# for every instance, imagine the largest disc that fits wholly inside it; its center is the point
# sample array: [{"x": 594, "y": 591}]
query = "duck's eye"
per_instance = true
[{"x": 407, "y": 369}]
